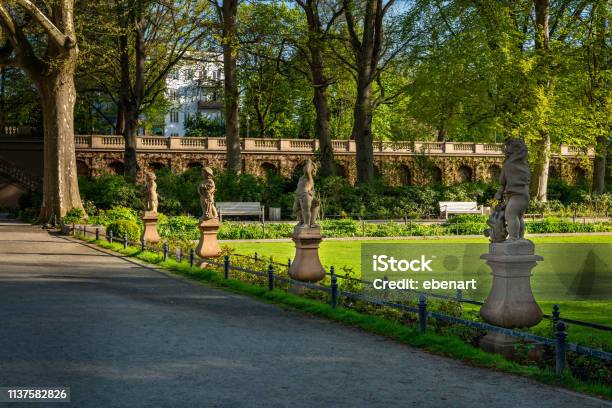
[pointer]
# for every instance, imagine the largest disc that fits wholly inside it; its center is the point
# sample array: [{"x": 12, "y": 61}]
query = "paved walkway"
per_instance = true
[{"x": 122, "y": 335}]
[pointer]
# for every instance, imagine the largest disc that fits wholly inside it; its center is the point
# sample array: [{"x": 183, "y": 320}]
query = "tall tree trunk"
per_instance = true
[
  {"x": 326, "y": 149},
  {"x": 130, "y": 135},
  {"x": 362, "y": 132},
  {"x": 597, "y": 95},
  {"x": 367, "y": 53},
  {"x": 442, "y": 130},
  {"x": 2, "y": 99},
  {"x": 540, "y": 174},
  {"x": 53, "y": 77},
  {"x": 230, "y": 53},
  {"x": 539, "y": 179},
  {"x": 60, "y": 183},
  {"x": 600, "y": 165},
  {"x": 132, "y": 96},
  {"x": 320, "y": 84}
]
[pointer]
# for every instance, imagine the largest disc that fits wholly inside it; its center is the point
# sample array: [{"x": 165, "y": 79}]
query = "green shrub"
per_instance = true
[
  {"x": 468, "y": 218},
  {"x": 180, "y": 227},
  {"x": 178, "y": 196},
  {"x": 340, "y": 228},
  {"x": 121, "y": 227},
  {"x": 110, "y": 191},
  {"x": 231, "y": 230},
  {"x": 120, "y": 213},
  {"x": 73, "y": 216},
  {"x": 555, "y": 225}
]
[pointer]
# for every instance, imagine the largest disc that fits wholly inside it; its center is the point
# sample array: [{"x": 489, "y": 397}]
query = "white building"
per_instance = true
[{"x": 194, "y": 87}]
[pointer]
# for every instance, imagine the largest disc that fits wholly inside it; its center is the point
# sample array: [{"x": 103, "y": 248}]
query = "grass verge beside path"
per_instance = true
[{"x": 451, "y": 346}]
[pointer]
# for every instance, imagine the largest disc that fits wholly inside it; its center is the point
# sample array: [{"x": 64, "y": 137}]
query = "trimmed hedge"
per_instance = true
[{"x": 185, "y": 228}]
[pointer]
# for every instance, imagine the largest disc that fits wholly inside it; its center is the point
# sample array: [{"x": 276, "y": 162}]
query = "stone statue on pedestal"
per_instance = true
[
  {"x": 149, "y": 217},
  {"x": 150, "y": 199},
  {"x": 207, "y": 189},
  {"x": 208, "y": 247},
  {"x": 306, "y": 204},
  {"x": 306, "y": 265},
  {"x": 510, "y": 303},
  {"x": 514, "y": 180}
]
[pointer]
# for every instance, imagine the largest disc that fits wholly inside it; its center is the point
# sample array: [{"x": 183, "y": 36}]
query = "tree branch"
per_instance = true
[
  {"x": 7, "y": 22},
  {"x": 350, "y": 23},
  {"x": 60, "y": 39}
]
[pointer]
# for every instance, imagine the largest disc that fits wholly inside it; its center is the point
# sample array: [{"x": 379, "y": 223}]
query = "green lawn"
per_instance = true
[{"x": 554, "y": 280}]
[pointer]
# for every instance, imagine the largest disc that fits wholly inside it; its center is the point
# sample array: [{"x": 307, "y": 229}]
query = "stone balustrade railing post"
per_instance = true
[
  {"x": 249, "y": 144},
  {"x": 96, "y": 142},
  {"x": 285, "y": 145},
  {"x": 174, "y": 143}
]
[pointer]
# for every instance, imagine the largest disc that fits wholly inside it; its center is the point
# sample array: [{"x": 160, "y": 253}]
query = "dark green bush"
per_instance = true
[
  {"x": 29, "y": 205},
  {"x": 178, "y": 196},
  {"x": 110, "y": 191}
]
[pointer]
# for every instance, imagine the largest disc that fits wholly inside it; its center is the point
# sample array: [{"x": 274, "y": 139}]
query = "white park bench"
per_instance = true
[
  {"x": 458, "y": 207},
  {"x": 247, "y": 208}
]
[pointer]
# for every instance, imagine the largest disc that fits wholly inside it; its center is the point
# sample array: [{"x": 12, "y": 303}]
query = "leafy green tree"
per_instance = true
[
  {"x": 375, "y": 38},
  {"x": 201, "y": 125},
  {"x": 42, "y": 42},
  {"x": 19, "y": 101},
  {"x": 227, "y": 33},
  {"x": 275, "y": 94},
  {"x": 130, "y": 47}
]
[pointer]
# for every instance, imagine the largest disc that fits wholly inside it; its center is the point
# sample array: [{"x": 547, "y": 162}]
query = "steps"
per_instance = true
[{"x": 19, "y": 175}]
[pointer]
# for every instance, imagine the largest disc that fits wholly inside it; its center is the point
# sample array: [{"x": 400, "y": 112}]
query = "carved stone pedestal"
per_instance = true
[
  {"x": 510, "y": 303},
  {"x": 208, "y": 247},
  {"x": 306, "y": 265},
  {"x": 149, "y": 232}
]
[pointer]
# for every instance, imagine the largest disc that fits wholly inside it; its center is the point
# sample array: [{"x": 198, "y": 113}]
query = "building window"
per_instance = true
[
  {"x": 174, "y": 134},
  {"x": 187, "y": 116},
  {"x": 174, "y": 116},
  {"x": 174, "y": 74},
  {"x": 188, "y": 74}
]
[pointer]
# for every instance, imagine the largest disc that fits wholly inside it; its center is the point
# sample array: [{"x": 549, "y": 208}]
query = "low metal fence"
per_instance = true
[
  {"x": 458, "y": 297},
  {"x": 559, "y": 342}
]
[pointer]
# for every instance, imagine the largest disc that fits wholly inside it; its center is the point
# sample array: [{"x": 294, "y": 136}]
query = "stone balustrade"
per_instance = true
[{"x": 212, "y": 144}]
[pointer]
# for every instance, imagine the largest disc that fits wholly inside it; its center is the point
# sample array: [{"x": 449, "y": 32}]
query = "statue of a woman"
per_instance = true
[
  {"x": 206, "y": 189},
  {"x": 514, "y": 179},
  {"x": 150, "y": 199},
  {"x": 306, "y": 204}
]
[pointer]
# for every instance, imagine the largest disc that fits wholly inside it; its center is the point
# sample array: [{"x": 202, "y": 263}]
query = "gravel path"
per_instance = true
[{"x": 123, "y": 335}]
